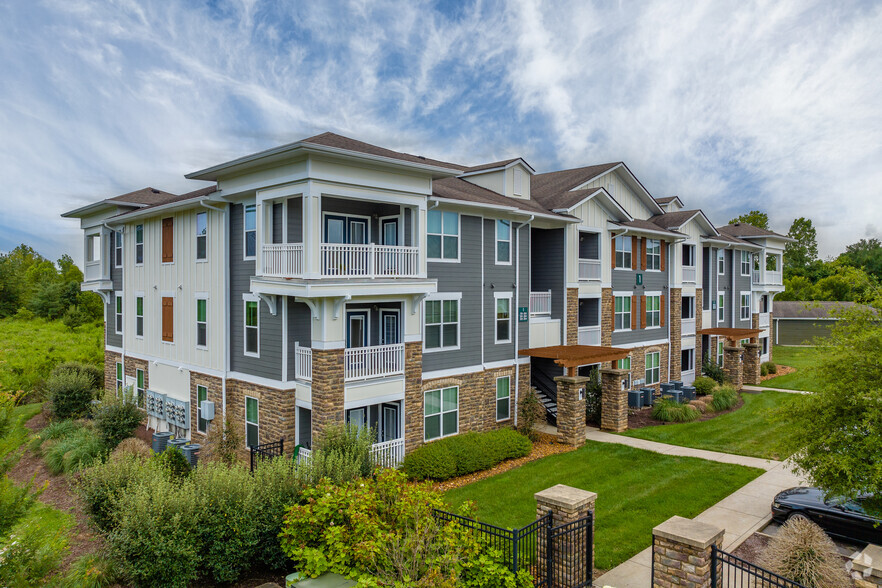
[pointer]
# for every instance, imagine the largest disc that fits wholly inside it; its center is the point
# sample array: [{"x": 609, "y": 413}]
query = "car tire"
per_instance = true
[{"x": 796, "y": 516}]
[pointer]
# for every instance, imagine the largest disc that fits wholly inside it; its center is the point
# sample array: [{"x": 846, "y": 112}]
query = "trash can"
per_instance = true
[
  {"x": 160, "y": 441},
  {"x": 191, "y": 452},
  {"x": 635, "y": 399},
  {"x": 647, "y": 395},
  {"x": 689, "y": 392},
  {"x": 678, "y": 385}
]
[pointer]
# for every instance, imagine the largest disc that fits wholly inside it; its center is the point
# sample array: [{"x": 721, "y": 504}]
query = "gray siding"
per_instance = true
[
  {"x": 299, "y": 329},
  {"x": 498, "y": 278},
  {"x": 116, "y": 277},
  {"x": 408, "y": 229},
  {"x": 547, "y": 267},
  {"x": 625, "y": 280},
  {"x": 269, "y": 364},
  {"x": 742, "y": 284},
  {"x": 295, "y": 220}
]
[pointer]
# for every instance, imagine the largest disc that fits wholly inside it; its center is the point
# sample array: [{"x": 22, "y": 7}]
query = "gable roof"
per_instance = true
[
  {"x": 552, "y": 189},
  {"x": 647, "y": 226},
  {"x": 817, "y": 309},
  {"x": 668, "y": 200},
  {"x": 340, "y": 142},
  {"x": 498, "y": 165},
  {"x": 746, "y": 231},
  {"x": 675, "y": 220},
  {"x": 463, "y": 190}
]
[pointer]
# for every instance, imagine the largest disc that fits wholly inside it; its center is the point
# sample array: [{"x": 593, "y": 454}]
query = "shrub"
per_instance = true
[
  {"x": 713, "y": 370},
  {"x": 102, "y": 485},
  {"x": 330, "y": 465},
  {"x": 764, "y": 370},
  {"x": 116, "y": 418},
  {"x": 770, "y": 367},
  {"x": 90, "y": 571},
  {"x": 802, "y": 552},
  {"x": 671, "y": 411},
  {"x": 725, "y": 398},
  {"x": 14, "y": 503},
  {"x": 78, "y": 450},
  {"x": 173, "y": 463},
  {"x": 469, "y": 452},
  {"x": 276, "y": 487},
  {"x": 593, "y": 392},
  {"x": 94, "y": 372},
  {"x": 75, "y": 317},
  {"x": 23, "y": 314},
  {"x": 35, "y": 546},
  {"x": 351, "y": 442},
  {"x": 70, "y": 393},
  {"x": 432, "y": 461},
  {"x": 704, "y": 385},
  {"x": 222, "y": 444},
  {"x": 530, "y": 413},
  {"x": 131, "y": 447}
]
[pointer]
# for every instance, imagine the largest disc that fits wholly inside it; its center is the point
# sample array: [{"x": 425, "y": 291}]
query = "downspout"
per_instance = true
[{"x": 517, "y": 327}]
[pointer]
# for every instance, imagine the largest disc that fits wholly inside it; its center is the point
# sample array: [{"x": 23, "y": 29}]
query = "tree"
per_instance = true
[
  {"x": 803, "y": 250},
  {"x": 866, "y": 254},
  {"x": 797, "y": 288},
  {"x": 847, "y": 283},
  {"x": 754, "y": 218}
]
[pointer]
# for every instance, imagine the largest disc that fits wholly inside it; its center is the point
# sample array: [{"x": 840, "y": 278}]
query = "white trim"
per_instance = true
[
  {"x": 261, "y": 381},
  {"x": 245, "y": 327},
  {"x": 196, "y": 238},
  {"x": 630, "y": 297},
  {"x": 442, "y": 296},
  {"x": 453, "y": 372},
  {"x": 257, "y": 424},
  {"x": 497, "y": 240},
  {"x": 497, "y": 296},
  {"x": 347, "y": 216},
  {"x": 199, "y": 410},
  {"x": 749, "y": 262},
  {"x": 747, "y": 293},
  {"x": 118, "y": 260},
  {"x": 721, "y": 256},
  {"x": 141, "y": 296},
  {"x": 442, "y": 259},
  {"x": 119, "y": 312},
  {"x": 441, "y": 412},
  {"x": 245, "y": 256},
  {"x": 639, "y": 344},
  {"x": 200, "y": 296},
  {"x": 492, "y": 365},
  {"x": 646, "y": 368},
  {"x": 143, "y": 249},
  {"x": 388, "y": 398},
  {"x": 496, "y": 399},
  {"x": 721, "y": 307}
]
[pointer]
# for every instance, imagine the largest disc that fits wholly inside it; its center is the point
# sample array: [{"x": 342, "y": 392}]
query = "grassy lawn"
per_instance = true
[
  {"x": 746, "y": 431},
  {"x": 636, "y": 490},
  {"x": 802, "y": 359}
]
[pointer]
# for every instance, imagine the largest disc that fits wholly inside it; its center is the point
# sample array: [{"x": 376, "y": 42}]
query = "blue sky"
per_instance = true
[{"x": 731, "y": 105}]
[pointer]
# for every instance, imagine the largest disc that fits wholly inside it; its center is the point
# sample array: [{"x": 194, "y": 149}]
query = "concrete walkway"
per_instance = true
[{"x": 748, "y": 388}]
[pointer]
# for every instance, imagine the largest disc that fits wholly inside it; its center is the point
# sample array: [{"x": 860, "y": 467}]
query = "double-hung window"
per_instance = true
[
  {"x": 745, "y": 263},
  {"x": 252, "y": 422},
  {"x": 442, "y": 235},
  {"x": 721, "y": 262},
  {"x": 139, "y": 316},
  {"x": 503, "y": 318},
  {"x": 688, "y": 256},
  {"x": 623, "y": 313},
  {"x": 119, "y": 377},
  {"x": 201, "y": 235},
  {"x": 119, "y": 313},
  {"x": 139, "y": 387},
  {"x": 624, "y": 363},
  {"x": 503, "y": 398},
  {"x": 139, "y": 244},
  {"x": 442, "y": 324},
  {"x": 653, "y": 254},
  {"x": 653, "y": 311},
  {"x": 720, "y": 352},
  {"x": 201, "y": 322},
  {"x": 440, "y": 413},
  {"x": 653, "y": 371},
  {"x": 118, "y": 248},
  {"x": 250, "y": 235},
  {"x": 503, "y": 241},
  {"x": 745, "y": 306},
  {"x": 252, "y": 328},
  {"x": 623, "y": 252},
  {"x": 721, "y": 307},
  {"x": 201, "y": 395}
]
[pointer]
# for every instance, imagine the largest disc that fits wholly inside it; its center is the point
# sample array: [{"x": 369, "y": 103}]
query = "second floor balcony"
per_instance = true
[{"x": 342, "y": 260}]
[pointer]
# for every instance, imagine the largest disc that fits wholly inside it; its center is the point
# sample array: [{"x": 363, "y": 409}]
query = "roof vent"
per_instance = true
[
  {"x": 421, "y": 156},
  {"x": 154, "y": 190}
]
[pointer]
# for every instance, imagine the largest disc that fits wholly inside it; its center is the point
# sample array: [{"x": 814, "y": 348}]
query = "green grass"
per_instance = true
[
  {"x": 29, "y": 349},
  {"x": 801, "y": 358},
  {"x": 636, "y": 490},
  {"x": 746, "y": 431}
]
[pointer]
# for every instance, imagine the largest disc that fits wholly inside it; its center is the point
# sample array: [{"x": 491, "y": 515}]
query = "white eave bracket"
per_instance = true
[
  {"x": 270, "y": 302},
  {"x": 311, "y": 304},
  {"x": 338, "y": 303},
  {"x": 416, "y": 299}
]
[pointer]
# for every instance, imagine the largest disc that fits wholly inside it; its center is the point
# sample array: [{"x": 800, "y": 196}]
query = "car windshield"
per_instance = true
[{"x": 867, "y": 505}]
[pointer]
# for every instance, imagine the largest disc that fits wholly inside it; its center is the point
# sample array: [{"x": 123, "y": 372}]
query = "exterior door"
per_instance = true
[
  {"x": 390, "y": 422},
  {"x": 358, "y": 234},
  {"x": 390, "y": 231},
  {"x": 389, "y": 325},
  {"x": 357, "y": 329}
]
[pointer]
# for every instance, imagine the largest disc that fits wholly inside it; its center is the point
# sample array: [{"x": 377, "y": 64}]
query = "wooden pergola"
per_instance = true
[
  {"x": 733, "y": 335},
  {"x": 571, "y": 357}
]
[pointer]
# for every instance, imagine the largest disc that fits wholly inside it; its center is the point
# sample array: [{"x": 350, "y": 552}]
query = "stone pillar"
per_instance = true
[
  {"x": 613, "y": 401},
  {"x": 867, "y": 567},
  {"x": 751, "y": 370},
  {"x": 572, "y": 316},
  {"x": 607, "y": 316},
  {"x": 676, "y": 338},
  {"x": 571, "y": 409},
  {"x": 699, "y": 315},
  {"x": 732, "y": 365},
  {"x": 110, "y": 360},
  {"x": 566, "y": 504},
  {"x": 327, "y": 389},
  {"x": 413, "y": 395},
  {"x": 681, "y": 553}
]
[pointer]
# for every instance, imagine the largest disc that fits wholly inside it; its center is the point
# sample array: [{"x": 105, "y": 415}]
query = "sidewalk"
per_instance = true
[{"x": 764, "y": 389}]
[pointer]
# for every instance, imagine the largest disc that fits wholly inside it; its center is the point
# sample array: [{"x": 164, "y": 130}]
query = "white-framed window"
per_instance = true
[
  {"x": 119, "y": 377},
  {"x": 201, "y": 322},
  {"x": 441, "y": 326},
  {"x": 687, "y": 360},
  {"x": 139, "y": 387},
  {"x": 721, "y": 262},
  {"x": 503, "y": 317},
  {"x": 201, "y": 236},
  {"x": 250, "y": 231},
  {"x": 653, "y": 369},
  {"x": 440, "y": 413},
  {"x": 624, "y": 363},
  {"x": 720, "y": 352},
  {"x": 623, "y": 313},
  {"x": 201, "y": 395},
  {"x": 745, "y": 305},
  {"x": 118, "y": 248},
  {"x": 251, "y": 324},
  {"x": 93, "y": 247},
  {"x": 687, "y": 307},
  {"x": 139, "y": 244},
  {"x": 688, "y": 255},
  {"x": 442, "y": 235},
  {"x": 653, "y": 254},
  {"x": 721, "y": 307},
  {"x": 503, "y": 398},
  {"x": 518, "y": 174},
  {"x": 623, "y": 252},
  {"x": 118, "y": 314},
  {"x": 653, "y": 311},
  {"x": 252, "y": 422},
  {"x": 503, "y": 241},
  {"x": 745, "y": 263},
  {"x": 139, "y": 316},
  {"x": 765, "y": 343}
]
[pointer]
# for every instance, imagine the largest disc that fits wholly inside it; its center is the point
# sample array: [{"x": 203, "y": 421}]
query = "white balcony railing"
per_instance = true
[
  {"x": 589, "y": 335},
  {"x": 388, "y": 454},
  {"x": 378, "y": 361},
  {"x": 763, "y": 320},
  {"x": 283, "y": 260},
  {"x": 540, "y": 303},
  {"x": 342, "y": 260},
  {"x": 689, "y": 274},
  {"x": 303, "y": 455},
  {"x": 687, "y": 327},
  {"x": 772, "y": 278},
  {"x": 589, "y": 269},
  {"x": 302, "y": 363},
  {"x": 94, "y": 271},
  {"x": 757, "y": 277}
]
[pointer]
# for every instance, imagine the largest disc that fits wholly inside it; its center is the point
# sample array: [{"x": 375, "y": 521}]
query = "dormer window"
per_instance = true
[{"x": 518, "y": 181}]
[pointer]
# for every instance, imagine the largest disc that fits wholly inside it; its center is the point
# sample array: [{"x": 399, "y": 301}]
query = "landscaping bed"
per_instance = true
[{"x": 637, "y": 419}]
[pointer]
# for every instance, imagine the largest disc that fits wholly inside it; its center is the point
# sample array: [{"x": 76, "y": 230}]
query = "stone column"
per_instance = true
[
  {"x": 327, "y": 389},
  {"x": 681, "y": 553},
  {"x": 572, "y": 316},
  {"x": 867, "y": 567},
  {"x": 613, "y": 401},
  {"x": 732, "y": 365},
  {"x": 699, "y": 302},
  {"x": 566, "y": 504},
  {"x": 413, "y": 395},
  {"x": 571, "y": 409},
  {"x": 676, "y": 322},
  {"x": 607, "y": 316},
  {"x": 751, "y": 369}
]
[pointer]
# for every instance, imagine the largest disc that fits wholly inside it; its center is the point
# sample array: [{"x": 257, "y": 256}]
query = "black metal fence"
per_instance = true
[
  {"x": 267, "y": 451},
  {"x": 729, "y": 571},
  {"x": 571, "y": 554}
]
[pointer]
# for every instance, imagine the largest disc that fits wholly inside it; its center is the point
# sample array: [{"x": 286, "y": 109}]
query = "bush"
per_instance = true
[
  {"x": 330, "y": 465},
  {"x": 770, "y": 367},
  {"x": 14, "y": 503},
  {"x": 593, "y": 391},
  {"x": 73, "y": 452},
  {"x": 276, "y": 487},
  {"x": 94, "y": 372},
  {"x": 802, "y": 552},
  {"x": 90, "y": 571},
  {"x": 173, "y": 463},
  {"x": 116, "y": 418},
  {"x": 75, "y": 317},
  {"x": 468, "y": 452},
  {"x": 70, "y": 393},
  {"x": 101, "y": 486},
  {"x": 704, "y": 385},
  {"x": 35, "y": 546},
  {"x": 351, "y": 442},
  {"x": 713, "y": 370},
  {"x": 222, "y": 444},
  {"x": 530, "y": 413},
  {"x": 671, "y": 411},
  {"x": 764, "y": 370},
  {"x": 131, "y": 447},
  {"x": 725, "y": 398}
]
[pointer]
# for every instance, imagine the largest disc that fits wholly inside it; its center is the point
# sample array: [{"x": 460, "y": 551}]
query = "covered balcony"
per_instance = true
[
  {"x": 768, "y": 273},
  {"x": 589, "y": 256},
  {"x": 374, "y": 343},
  {"x": 687, "y": 316},
  {"x": 589, "y": 321}
]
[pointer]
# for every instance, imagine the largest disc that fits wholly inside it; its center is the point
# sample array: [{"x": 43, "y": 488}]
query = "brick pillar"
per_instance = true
[
  {"x": 607, "y": 317},
  {"x": 413, "y": 396},
  {"x": 571, "y": 409},
  {"x": 699, "y": 315},
  {"x": 676, "y": 318},
  {"x": 613, "y": 401},
  {"x": 566, "y": 504},
  {"x": 572, "y": 316},
  {"x": 327, "y": 389},
  {"x": 110, "y": 360},
  {"x": 751, "y": 366},
  {"x": 867, "y": 567},
  {"x": 732, "y": 365},
  {"x": 681, "y": 553}
]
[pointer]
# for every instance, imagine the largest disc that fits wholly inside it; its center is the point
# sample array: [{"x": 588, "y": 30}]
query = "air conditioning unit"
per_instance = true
[{"x": 207, "y": 408}]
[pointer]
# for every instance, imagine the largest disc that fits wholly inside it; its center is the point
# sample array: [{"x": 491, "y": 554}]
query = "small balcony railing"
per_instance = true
[
  {"x": 386, "y": 454},
  {"x": 303, "y": 363},
  {"x": 589, "y": 335},
  {"x": 283, "y": 260},
  {"x": 689, "y": 274},
  {"x": 540, "y": 303},
  {"x": 771, "y": 278},
  {"x": 764, "y": 320},
  {"x": 343, "y": 260},
  {"x": 589, "y": 269},
  {"x": 378, "y": 361},
  {"x": 687, "y": 326}
]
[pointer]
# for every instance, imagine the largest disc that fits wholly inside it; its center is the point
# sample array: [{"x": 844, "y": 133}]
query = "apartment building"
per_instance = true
[{"x": 331, "y": 280}]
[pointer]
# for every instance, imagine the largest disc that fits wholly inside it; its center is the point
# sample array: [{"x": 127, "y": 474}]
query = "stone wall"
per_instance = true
[
  {"x": 681, "y": 553},
  {"x": 607, "y": 317},
  {"x": 110, "y": 360},
  {"x": 572, "y": 316},
  {"x": 214, "y": 392},
  {"x": 327, "y": 389},
  {"x": 676, "y": 317},
  {"x": 732, "y": 365},
  {"x": 413, "y": 395},
  {"x": 699, "y": 295},
  {"x": 276, "y": 412},
  {"x": 751, "y": 364},
  {"x": 638, "y": 364},
  {"x": 131, "y": 367}
]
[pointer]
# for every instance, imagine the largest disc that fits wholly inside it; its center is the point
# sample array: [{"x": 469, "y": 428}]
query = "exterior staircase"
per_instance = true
[{"x": 546, "y": 390}]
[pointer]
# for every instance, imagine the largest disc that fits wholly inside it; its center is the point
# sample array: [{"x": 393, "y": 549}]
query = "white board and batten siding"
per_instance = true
[
  {"x": 622, "y": 193},
  {"x": 693, "y": 229},
  {"x": 593, "y": 217}
]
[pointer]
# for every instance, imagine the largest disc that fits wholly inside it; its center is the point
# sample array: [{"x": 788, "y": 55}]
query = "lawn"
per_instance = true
[
  {"x": 636, "y": 490},
  {"x": 745, "y": 431},
  {"x": 802, "y": 359}
]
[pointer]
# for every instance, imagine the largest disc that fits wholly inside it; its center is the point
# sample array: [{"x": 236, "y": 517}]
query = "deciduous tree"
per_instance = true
[
  {"x": 803, "y": 250},
  {"x": 756, "y": 218}
]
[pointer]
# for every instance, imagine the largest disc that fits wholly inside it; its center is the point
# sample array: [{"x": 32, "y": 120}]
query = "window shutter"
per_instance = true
[
  {"x": 633, "y": 312},
  {"x": 168, "y": 319},
  {"x": 612, "y": 255},
  {"x": 661, "y": 307},
  {"x": 664, "y": 248},
  {"x": 643, "y": 254},
  {"x": 643, "y": 310},
  {"x": 634, "y": 251},
  {"x": 168, "y": 242}
]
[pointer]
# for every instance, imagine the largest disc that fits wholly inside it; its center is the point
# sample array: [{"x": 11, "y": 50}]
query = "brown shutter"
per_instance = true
[
  {"x": 661, "y": 306},
  {"x": 664, "y": 248},
  {"x": 633, "y": 312},
  {"x": 168, "y": 240},
  {"x": 634, "y": 250},
  {"x": 612, "y": 254},
  {"x": 643, "y": 254},
  {"x": 643, "y": 311},
  {"x": 168, "y": 319}
]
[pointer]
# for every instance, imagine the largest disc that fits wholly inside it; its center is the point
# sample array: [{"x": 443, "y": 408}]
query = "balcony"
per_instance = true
[
  {"x": 689, "y": 274},
  {"x": 386, "y": 454},
  {"x": 589, "y": 335},
  {"x": 589, "y": 269},
  {"x": 764, "y": 320},
  {"x": 687, "y": 327},
  {"x": 540, "y": 304},
  {"x": 767, "y": 278},
  {"x": 377, "y": 361},
  {"x": 303, "y": 363},
  {"x": 343, "y": 260},
  {"x": 283, "y": 260}
]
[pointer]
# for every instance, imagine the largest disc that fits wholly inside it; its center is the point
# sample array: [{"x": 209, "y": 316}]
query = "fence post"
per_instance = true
[
  {"x": 566, "y": 505},
  {"x": 514, "y": 550},
  {"x": 682, "y": 553}
]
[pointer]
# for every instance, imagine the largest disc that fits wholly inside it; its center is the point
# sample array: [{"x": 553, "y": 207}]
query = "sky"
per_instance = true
[{"x": 733, "y": 106}]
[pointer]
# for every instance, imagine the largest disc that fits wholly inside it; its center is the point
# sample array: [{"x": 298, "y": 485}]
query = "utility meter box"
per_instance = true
[{"x": 207, "y": 408}]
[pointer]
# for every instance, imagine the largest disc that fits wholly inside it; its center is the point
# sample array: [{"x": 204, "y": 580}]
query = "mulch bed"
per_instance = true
[
  {"x": 753, "y": 547},
  {"x": 783, "y": 370},
  {"x": 637, "y": 419}
]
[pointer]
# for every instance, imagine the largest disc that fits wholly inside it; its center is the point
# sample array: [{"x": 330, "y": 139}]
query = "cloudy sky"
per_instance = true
[{"x": 736, "y": 105}]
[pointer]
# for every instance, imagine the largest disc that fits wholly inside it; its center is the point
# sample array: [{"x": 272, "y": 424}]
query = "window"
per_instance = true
[
  {"x": 93, "y": 248},
  {"x": 139, "y": 316},
  {"x": 653, "y": 371},
  {"x": 168, "y": 240},
  {"x": 653, "y": 254},
  {"x": 688, "y": 255},
  {"x": 252, "y": 422},
  {"x": 721, "y": 261},
  {"x": 745, "y": 263},
  {"x": 623, "y": 252},
  {"x": 745, "y": 306},
  {"x": 119, "y": 313},
  {"x": 721, "y": 306},
  {"x": 503, "y": 318},
  {"x": 139, "y": 387},
  {"x": 518, "y": 182},
  {"x": 250, "y": 231},
  {"x": 442, "y": 324},
  {"x": 625, "y": 363},
  {"x": 653, "y": 311},
  {"x": 201, "y": 235},
  {"x": 687, "y": 360},
  {"x": 168, "y": 319},
  {"x": 765, "y": 343},
  {"x": 201, "y": 395},
  {"x": 117, "y": 248},
  {"x": 442, "y": 235},
  {"x": 503, "y": 397},
  {"x": 252, "y": 328},
  {"x": 119, "y": 377},
  {"x": 623, "y": 313},
  {"x": 687, "y": 307},
  {"x": 771, "y": 263},
  {"x": 201, "y": 322},
  {"x": 139, "y": 244},
  {"x": 503, "y": 241},
  {"x": 441, "y": 413},
  {"x": 719, "y": 353}
]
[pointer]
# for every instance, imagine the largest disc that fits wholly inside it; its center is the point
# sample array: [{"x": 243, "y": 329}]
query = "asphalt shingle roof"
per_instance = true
[
  {"x": 460, "y": 189},
  {"x": 746, "y": 230},
  {"x": 671, "y": 220},
  {"x": 553, "y": 189},
  {"x": 341, "y": 142}
]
